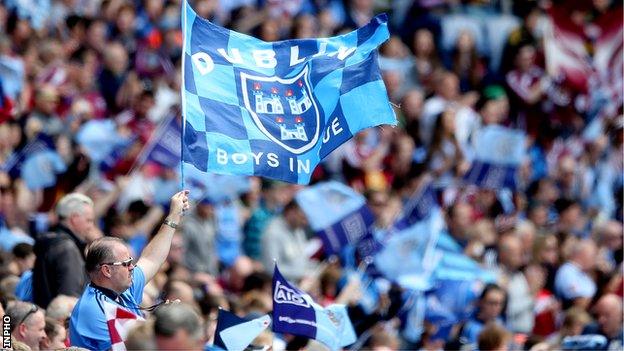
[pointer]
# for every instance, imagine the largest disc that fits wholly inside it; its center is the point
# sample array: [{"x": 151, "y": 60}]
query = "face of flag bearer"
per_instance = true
[{"x": 108, "y": 264}]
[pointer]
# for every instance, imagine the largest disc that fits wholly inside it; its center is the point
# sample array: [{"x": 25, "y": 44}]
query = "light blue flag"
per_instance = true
[
  {"x": 336, "y": 213},
  {"x": 276, "y": 109},
  {"x": 498, "y": 152},
  {"x": 99, "y": 137},
  {"x": 408, "y": 256},
  {"x": 40, "y": 170},
  {"x": 234, "y": 333},
  {"x": 326, "y": 203}
]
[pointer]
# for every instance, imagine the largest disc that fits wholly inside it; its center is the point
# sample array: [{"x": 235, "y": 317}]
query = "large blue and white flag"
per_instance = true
[
  {"x": 498, "y": 152},
  {"x": 276, "y": 109},
  {"x": 337, "y": 214},
  {"x": 234, "y": 333},
  {"x": 294, "y": 312}
]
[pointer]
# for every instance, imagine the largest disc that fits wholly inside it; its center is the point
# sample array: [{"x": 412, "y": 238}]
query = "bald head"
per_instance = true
[{"x": 608, "y": 311}]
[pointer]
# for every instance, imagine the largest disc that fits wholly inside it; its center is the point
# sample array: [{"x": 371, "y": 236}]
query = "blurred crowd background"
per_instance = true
[{"x": 90, "y": 81}]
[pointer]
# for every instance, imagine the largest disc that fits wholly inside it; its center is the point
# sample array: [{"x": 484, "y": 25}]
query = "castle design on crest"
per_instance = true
[{"x": 272, "y": 104}]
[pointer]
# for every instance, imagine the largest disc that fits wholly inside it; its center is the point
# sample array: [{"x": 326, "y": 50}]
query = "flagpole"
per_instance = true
[{"x": 182, "y": 92}]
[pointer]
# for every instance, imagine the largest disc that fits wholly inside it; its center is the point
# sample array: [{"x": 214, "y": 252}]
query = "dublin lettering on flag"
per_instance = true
[
  {"x": 294, "y": 312},
  {"x": 499, "y": 151},
  {"x": 276, "y": 109}
]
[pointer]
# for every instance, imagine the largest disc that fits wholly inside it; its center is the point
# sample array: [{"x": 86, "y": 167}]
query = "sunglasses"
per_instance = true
[
  {"x": 33, "y": 309},
  {"x": 125, "y": 263}
]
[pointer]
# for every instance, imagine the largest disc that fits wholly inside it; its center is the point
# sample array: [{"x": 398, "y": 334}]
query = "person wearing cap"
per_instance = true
[{"x": 117, "y": 279}]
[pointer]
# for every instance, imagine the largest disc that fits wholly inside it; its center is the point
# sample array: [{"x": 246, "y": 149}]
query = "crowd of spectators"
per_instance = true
[{"x": 92, "y": 74}]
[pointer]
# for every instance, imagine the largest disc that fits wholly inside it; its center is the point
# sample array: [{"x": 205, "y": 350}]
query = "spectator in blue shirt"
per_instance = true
[
  {"x": 572, "y": 282},
  {"x": 490, "y": 308},
  {"x": 116, "y": 279}
]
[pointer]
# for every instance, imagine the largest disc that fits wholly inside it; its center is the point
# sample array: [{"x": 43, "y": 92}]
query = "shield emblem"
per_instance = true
[{"x": 285, "y": 110}]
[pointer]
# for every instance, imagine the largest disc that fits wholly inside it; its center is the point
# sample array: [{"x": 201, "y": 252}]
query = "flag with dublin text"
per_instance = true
[{"x": 276, "y": 109}]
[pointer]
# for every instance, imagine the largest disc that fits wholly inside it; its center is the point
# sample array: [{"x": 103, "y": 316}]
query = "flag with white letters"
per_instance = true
[
  {"x": 276, "y": 109},
  {"x": 294, "y": 312}
]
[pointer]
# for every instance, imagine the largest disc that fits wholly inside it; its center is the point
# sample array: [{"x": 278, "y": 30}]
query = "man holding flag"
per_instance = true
[{"x": 111, "y": 300}]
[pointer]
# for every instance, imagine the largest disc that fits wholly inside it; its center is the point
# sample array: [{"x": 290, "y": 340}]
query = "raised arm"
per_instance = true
[{"x": 156, "y": 251}]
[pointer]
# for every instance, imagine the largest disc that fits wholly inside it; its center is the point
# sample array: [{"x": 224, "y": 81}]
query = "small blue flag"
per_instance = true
[
  {"x": 13, "y": 164},
  {"x": 419, "y": 205},
  {"x": 234, "y": 333},
  {"x": 498, "y": 152},
  {"x": 337, "y": 214},
  {"x": 40, "y": 170},
  {"x": 294, "y": 312},
  {"x": 409, "y": 254},
  {"x": 164, "y": 147},
  {"x": 276, "y": 109}
]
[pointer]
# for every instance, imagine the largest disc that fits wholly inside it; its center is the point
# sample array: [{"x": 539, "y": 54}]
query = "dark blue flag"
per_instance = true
[
  {"x": 294, "y": 312},
  {"x": 164, "y": 147},
  {"x": 13, "y": 165},
  {"x": 276, "y": 109},
  {"x": 418, "y": 207}
]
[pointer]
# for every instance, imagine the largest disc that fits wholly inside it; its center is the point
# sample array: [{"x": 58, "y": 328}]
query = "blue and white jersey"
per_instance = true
[
  {"x": 88, "y": 324},
  {"x": 571, "y": 282}
]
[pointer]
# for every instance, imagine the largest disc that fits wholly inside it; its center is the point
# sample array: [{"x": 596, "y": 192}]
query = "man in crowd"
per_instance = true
[
  {"x": 117, "y": 280},
  {"x": 27, "y": 323},
  {"x": 608, "y": 313},
  {"x": 59, "y": 267}
]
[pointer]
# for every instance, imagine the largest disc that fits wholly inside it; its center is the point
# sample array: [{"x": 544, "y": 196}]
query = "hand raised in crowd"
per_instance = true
[{"x": 179, "y": 204}]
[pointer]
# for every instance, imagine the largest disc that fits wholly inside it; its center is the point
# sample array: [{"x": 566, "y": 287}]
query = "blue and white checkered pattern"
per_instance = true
[
  {"x": 499, "y": 151},
  {"x": 276, "y": 109}
]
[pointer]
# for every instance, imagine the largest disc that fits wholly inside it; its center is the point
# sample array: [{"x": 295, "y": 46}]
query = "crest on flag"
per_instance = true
[{"x": 285, "y": 110}]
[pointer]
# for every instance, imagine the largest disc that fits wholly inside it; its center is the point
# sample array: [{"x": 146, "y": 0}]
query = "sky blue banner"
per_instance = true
[
  {"x": 337, "y": 214},
  {"x": 276, "y": 109},
  {"x": 498, "y": 152},
  {"x": 294, "y": 312},
  {"x": 234, "y": 333},
  {"x": 408, "y": 255}
]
